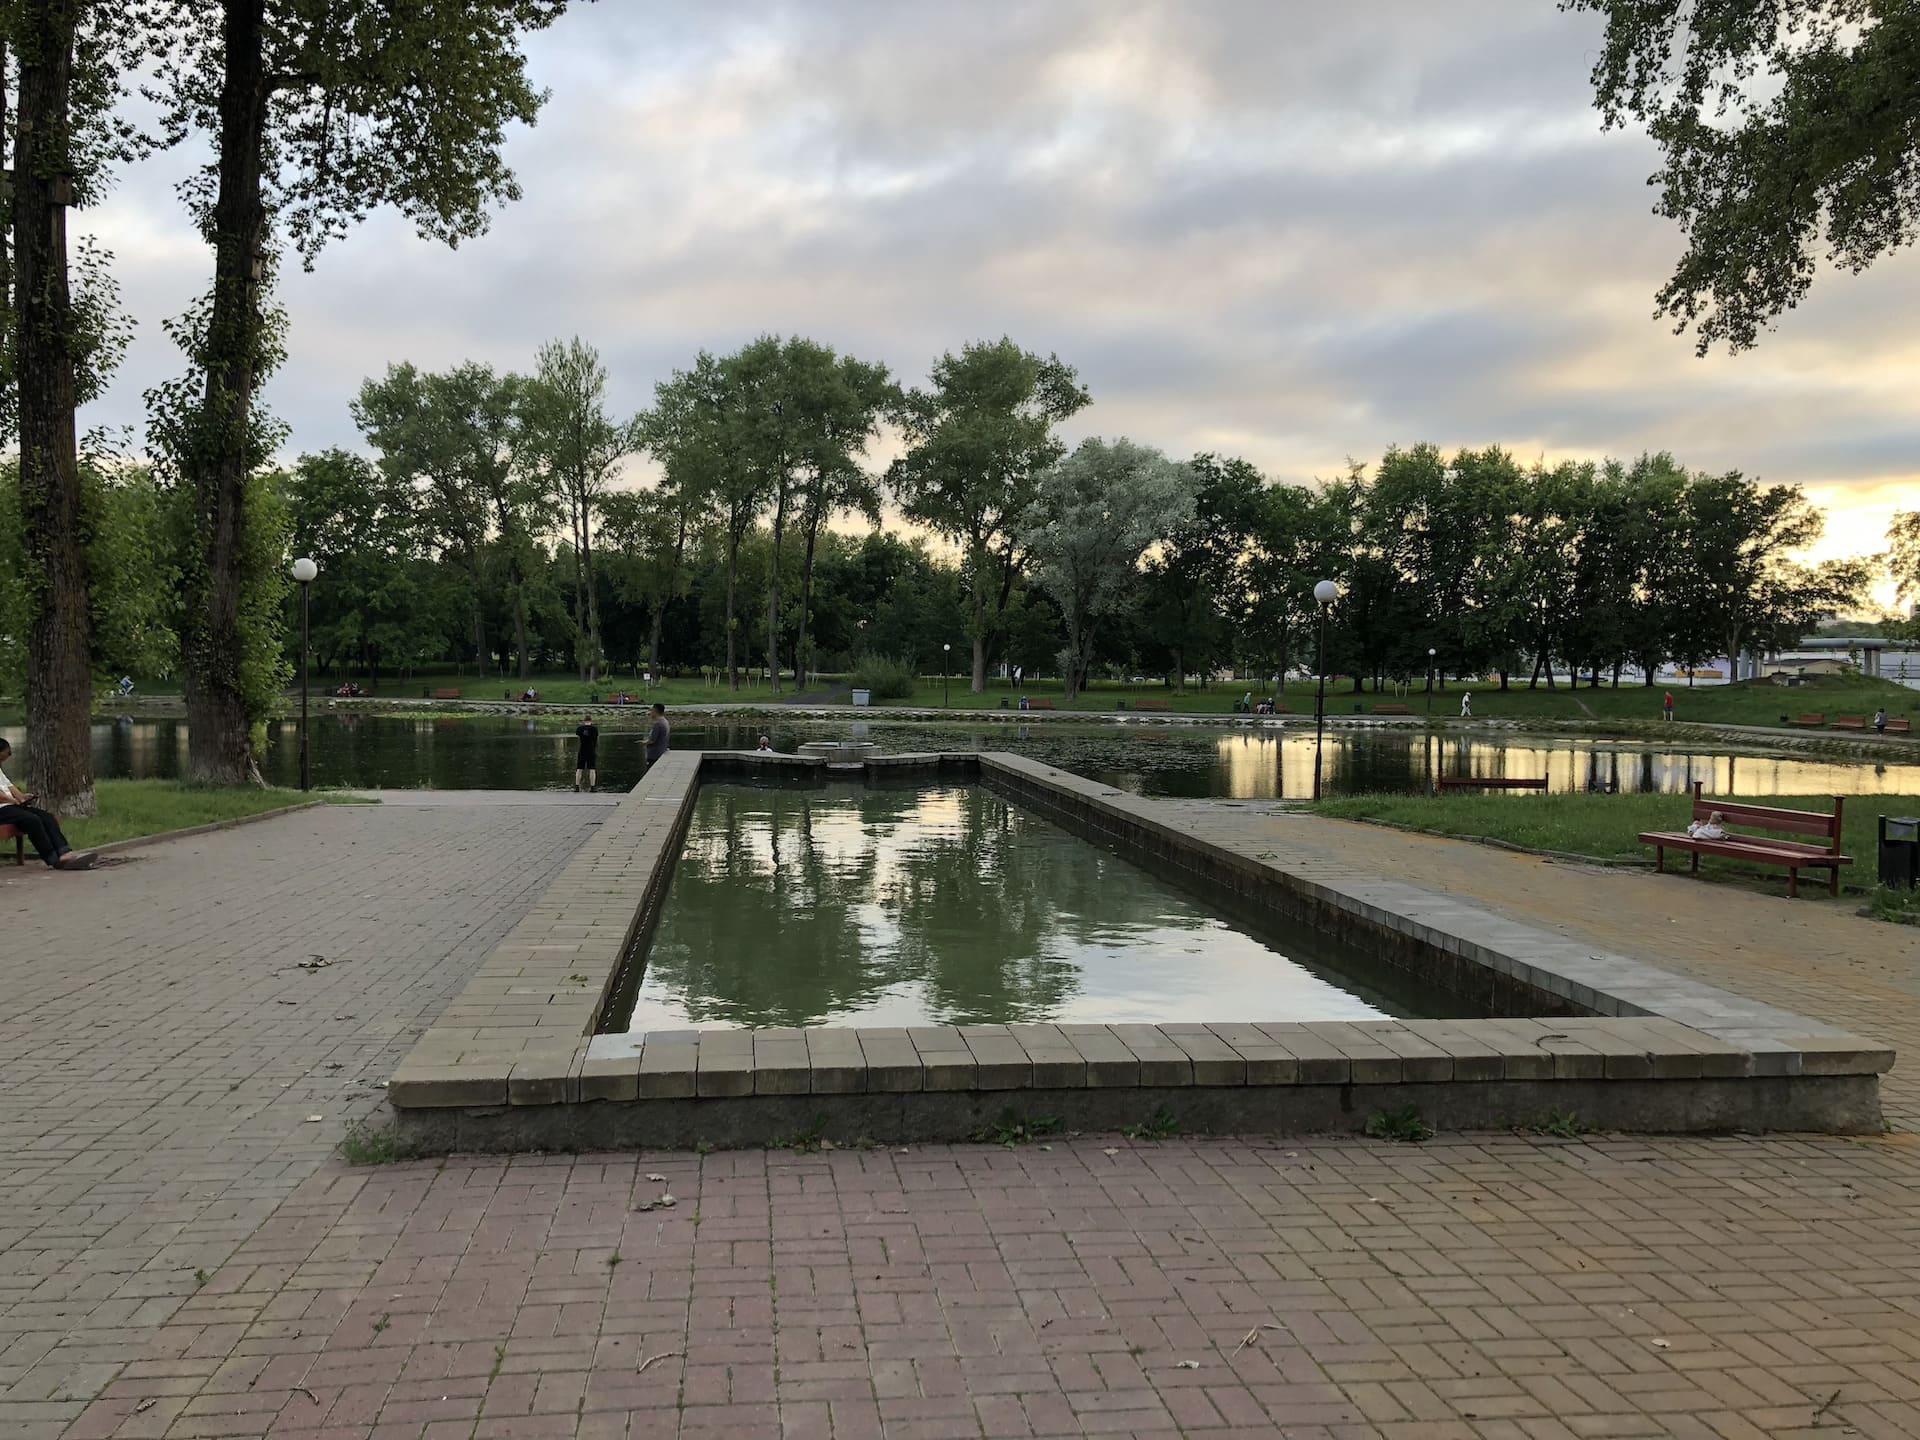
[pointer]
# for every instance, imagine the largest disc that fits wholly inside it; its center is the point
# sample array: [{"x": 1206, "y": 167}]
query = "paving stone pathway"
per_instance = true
[{"x": 181, "y": 1256}]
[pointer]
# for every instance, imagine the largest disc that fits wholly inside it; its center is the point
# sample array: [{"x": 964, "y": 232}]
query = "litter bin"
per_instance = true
[
  {"x": 863, "y": 697},
  {"x": 1900, "y": 851}
]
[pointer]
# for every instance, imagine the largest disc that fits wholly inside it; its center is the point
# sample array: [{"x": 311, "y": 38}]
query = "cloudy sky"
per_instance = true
[{"x": 1294, "y": 232}]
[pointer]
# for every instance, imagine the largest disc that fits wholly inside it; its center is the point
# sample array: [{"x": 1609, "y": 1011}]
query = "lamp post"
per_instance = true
[
  {"x": 1431, "y": 652},
  {"x": 946, "y": 675},
  {"x": 304, "y": 571},
  {"x": 1324, "y": 594}
]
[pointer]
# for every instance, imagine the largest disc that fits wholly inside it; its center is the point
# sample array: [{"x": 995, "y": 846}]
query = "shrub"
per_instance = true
[{"x": 887, "y": 677}]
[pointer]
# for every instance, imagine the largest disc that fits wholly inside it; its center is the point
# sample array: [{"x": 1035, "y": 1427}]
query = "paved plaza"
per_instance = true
[{"x": 182, "y": 1254}]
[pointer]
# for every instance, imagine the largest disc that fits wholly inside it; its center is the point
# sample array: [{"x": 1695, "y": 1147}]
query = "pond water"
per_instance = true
[
  {"x": 944, "y": 905},
  {"x": 495, "y": 752}
]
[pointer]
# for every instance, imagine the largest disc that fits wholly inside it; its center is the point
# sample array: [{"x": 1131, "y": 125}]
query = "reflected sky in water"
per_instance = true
[
  {"x": 948, "y": 905},
  {"x": 493, "y": 752}
]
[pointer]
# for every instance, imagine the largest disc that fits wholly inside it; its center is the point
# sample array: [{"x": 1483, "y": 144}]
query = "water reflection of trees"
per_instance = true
[{"x": 789, "y": 907}]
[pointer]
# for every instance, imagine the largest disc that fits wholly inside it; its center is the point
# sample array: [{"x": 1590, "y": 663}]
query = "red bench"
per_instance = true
[
  {"x": 1899, "y": 727},
  {"x": 446, "y": 694},
  {"x": 1849, "y": 722},
  {"x": 1810, "y": 722},
  {"x": 1151, "y": 705},
  {"x": 19, "y": 838},
  {"x": 1393, "y": 709},
  {"x": 1471, "y": 782},
  {"x": 1791, "y": 855},
  {"x": 1040, "y": 704}
]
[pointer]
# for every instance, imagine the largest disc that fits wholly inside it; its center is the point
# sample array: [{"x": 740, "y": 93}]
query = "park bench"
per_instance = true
[
  {"x": 1791, "y": 855},
  {"x": 446, "y": 694},
  {"x": 1899, "y": 727},
  {"x": 1849, "y": 722},
  {"x": 1810, "y": 722},
  {"x": 1151, "y": 705},
  {"x": 1393, "y": 709},
  {"x": 19, "y": 838},
  {"x": 1475, "y": 782}
]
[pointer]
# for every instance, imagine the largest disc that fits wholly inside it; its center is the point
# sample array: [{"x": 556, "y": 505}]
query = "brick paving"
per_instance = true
[{"x": 1500, "y": 1287}]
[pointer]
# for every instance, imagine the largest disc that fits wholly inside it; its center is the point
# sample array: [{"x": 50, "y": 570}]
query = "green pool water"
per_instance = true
[{"x": 946, "y": 905}]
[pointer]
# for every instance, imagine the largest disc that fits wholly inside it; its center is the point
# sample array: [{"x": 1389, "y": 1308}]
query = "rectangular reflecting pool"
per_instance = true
[{"x": 948, "y": 904}]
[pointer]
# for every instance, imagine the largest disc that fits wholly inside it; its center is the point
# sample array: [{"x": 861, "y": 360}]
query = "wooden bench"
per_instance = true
[
  {"x": 446, "y": 694},
  {"x": 1040, "y": 704},
  {"x": 1393, "y": 709},
  {"x": 1899, "y": 727},
  {"x": 1810, "y": 722},
  {"x": 1791, "y": 855},
  {"x": 1473, "y": 782},
  {"x": 1151, "y": 705},
  {"x": 1849, "y": 722},
  {"x": 19, "y": 838}
]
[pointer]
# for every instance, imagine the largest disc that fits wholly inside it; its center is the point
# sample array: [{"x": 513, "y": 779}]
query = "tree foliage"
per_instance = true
[{"x": 1783, "y": 126}]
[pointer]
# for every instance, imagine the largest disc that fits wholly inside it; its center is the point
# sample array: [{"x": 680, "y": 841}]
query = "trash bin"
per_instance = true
[
  {"x": 863, "y": 697},
  {"x": 1900, "y": 851}
]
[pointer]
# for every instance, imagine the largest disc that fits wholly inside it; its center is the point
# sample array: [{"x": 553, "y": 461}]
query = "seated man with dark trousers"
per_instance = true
[{"x": 18, "y": 810}]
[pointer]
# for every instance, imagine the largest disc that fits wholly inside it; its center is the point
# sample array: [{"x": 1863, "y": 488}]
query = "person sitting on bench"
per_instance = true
[
  {"x": 1714, "y": 827},
  {"x": 18, "y": 810}
]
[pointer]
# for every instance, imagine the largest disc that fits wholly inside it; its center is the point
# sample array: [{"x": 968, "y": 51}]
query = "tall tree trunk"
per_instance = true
[
  {"x": 653, "y": 642},
  {"x": 594, "y": 652},
  {"x": 217, "y": 718},
  {"x": 979, "y": 639},
  {"x": 579, "y": 587},
  {"x": 59, "y": 635},
  {"x": 800, "y": 667},
  {"x": 773, "y": 590},
  {"x": 517, "y": 582},
  {"x": 733, "y": 575}
]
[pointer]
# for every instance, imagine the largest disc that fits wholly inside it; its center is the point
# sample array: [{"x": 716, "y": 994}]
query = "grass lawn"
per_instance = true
[
  {"x": 1604, "y": 826},
  {"x": 129, "y": 808}
]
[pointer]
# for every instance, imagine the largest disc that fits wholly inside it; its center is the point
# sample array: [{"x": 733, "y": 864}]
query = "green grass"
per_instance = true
[
  {"x": 130, "y": 808},
  {"x": 1605, "y": 826}
]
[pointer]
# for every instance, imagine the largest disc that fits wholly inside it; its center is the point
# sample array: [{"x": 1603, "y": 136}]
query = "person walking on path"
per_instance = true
[
  {"x": 1466, "y": 705},
  {"x": 18, "y": 810},
  {"x": 658, "y": 733},
  {"x": 1880, "y": 721},
  {"x": 1667, "y": 706},
  {"x": 586, "y": 765}
]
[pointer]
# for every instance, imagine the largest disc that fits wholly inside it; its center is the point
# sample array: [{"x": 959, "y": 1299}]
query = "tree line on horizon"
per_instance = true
[{"x": 488, "y": 526}]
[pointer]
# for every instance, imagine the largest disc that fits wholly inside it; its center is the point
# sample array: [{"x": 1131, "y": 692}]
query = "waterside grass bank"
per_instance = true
[
  {"x": 1606, "y": 827},
  {"x": 134, "y": 809}
]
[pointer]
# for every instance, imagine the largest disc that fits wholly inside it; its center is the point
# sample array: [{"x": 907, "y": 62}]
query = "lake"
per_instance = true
[{"x": 447, "y": 752}]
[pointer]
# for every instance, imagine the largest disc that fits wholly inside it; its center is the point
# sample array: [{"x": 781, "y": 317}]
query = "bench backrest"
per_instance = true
[{"x": 1771, "y": 817}]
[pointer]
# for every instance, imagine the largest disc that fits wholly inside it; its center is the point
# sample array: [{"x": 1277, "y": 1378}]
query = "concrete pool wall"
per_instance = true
[{"x": 515, "y": 1063}]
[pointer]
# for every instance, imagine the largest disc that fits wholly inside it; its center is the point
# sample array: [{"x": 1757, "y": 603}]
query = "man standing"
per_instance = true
[
  {"x": 658, "y": 733},
  {"x": 1667, "y": 705},
  {"x": 586, "y": 765},
  {"x": 18, "y": 810}
]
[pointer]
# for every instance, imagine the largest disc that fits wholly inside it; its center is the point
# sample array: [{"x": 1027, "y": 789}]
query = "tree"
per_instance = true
[
  {"x": 1903, "y": 562},
  {"x": 1741, "y": 589},
  {"x": 567, "y": 433},
  {"x": 58, "y": 350},
  {"x": 1091, "y": 520},
  {"x": 696, "y": 431},
  {"x": 318, "y": 110},
  {"x": 1197, "y": 585},
  {"x": 837, "y": 403},
  {"x": 1780, "y": 126},
  {"x": 453, "y": 437},
  {"x": 649, "y": 531},
  {"x": 977, "y": 443}
]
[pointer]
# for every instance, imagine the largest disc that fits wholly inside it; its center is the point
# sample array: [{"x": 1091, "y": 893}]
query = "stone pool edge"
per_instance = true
[{"x": 513, "y": 1062}]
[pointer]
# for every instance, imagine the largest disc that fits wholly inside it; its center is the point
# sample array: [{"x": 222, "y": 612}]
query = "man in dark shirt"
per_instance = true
[
  {"x": 657, "y": 733},
  {"x": 586, "y": 764}
]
